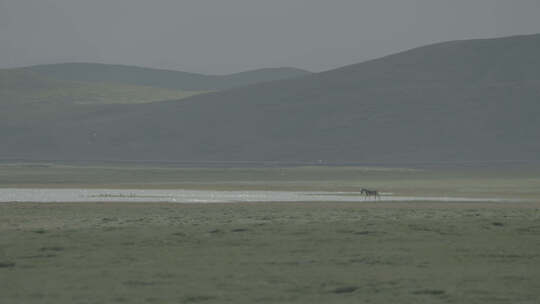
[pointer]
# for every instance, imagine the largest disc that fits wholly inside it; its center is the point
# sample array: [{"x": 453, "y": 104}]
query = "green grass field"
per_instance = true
[
  {"x": 269, "y": 253},
  {"x": 361, "y": 252}
]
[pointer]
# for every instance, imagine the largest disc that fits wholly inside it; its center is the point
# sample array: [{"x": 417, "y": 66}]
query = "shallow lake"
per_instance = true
[{"x": 204, "y": 196}]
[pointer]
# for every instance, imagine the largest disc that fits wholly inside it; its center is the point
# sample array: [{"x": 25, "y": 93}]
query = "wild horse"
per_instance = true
[{"x": 369, "y": 193}]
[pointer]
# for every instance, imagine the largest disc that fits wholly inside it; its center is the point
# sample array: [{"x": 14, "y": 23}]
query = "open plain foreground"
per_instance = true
[{"x": 294, "y": 252}]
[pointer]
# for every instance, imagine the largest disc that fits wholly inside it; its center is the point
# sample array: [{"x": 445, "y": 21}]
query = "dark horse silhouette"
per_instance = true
[{"x": 369, "y": 193}]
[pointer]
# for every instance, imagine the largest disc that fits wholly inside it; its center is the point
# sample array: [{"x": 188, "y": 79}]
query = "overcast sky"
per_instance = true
[{"x": 223, "y": 36}]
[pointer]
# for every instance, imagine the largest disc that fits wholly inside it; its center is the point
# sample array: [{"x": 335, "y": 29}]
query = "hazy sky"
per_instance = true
[{"x": 222, "y": 36}]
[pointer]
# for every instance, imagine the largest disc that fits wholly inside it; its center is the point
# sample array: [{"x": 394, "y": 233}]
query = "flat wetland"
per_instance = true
[{"x": 296, "y": 252}]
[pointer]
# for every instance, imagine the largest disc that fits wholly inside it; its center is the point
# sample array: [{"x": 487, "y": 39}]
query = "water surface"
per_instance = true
[{"x": 206, "y": 196}]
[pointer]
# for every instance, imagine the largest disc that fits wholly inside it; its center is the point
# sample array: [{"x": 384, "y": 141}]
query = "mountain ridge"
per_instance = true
[
  {"x": 162, "y": 78},
  {"x": 456, "y": 101},
  {"x": 100, "y": 83}
]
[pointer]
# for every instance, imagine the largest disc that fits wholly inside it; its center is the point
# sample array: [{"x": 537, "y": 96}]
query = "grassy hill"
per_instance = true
[
  {"x": 176, "y": 80},
  {"x": 105, "y": 84},
  {"x": 92, "y": 93},
  {"x": 21, "y": 86},
  {"x": 472, "y": 100},
  {"x": 18, "y": 79}
]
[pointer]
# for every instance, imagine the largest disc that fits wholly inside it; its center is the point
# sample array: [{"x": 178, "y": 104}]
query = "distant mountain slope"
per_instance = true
[
  {"x": 469, "y": 62},
  {"x": 20, "y": 86},
  {"x": 18, "y": 79},
  {"x": 120, "y": 74},
  {"x": 457, "y": 101},
  {"x": 87, "y": 83}
]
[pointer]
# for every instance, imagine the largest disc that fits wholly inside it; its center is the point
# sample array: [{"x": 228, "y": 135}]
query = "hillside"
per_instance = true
[
  {"x": 19, "y": 86},
  {"x": 18, "y": 79},
  {"x": 167, "y": 79},
  {"x": 82, "y": 83},
  {"x": 475, "y": 100}
]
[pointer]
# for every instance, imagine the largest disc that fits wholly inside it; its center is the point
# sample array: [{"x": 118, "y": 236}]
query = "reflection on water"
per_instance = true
[{"x": 203, "y": 196}]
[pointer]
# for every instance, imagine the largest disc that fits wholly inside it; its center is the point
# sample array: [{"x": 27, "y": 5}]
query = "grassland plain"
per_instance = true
[
  {"x": 269, "y": 253},
  {"x": 327, "y": 252}
]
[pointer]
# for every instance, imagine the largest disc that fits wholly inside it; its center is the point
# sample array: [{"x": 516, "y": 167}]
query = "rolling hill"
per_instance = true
[
  {"x": 19, "y": 79},
  {"x": 85, "y": 83},
  {"x": 167, "y": 79},
  {"x": 475, "y": 100},
  {"x": 19, "y": 87}
]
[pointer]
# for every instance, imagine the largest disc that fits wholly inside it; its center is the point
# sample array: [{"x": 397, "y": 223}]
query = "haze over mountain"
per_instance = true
[
  {"x": 470, "y": 100},
  {"x": 221, "y": 37}
]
